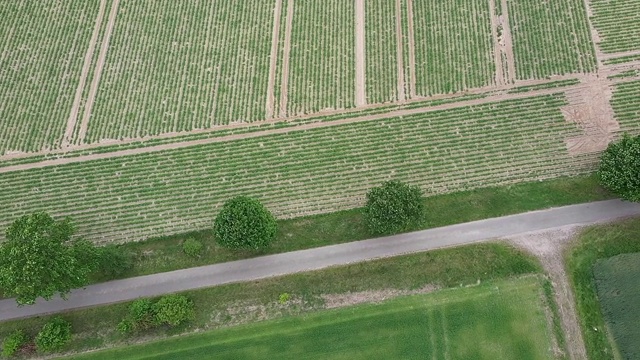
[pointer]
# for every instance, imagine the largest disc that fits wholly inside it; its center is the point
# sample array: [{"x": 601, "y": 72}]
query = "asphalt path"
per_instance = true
[{"x": 318, "y": 258}]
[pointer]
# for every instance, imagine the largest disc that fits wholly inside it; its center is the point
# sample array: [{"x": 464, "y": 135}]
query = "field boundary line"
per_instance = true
[
  {"x": 508, "y": 42},
  {"x": 277, "y": 15},
  {"x": 283, "y": 130},
  {"x": 286, "y": 59},
  {"x": 360, "y": 58},
  {"x": 93, "y": 90},
  {"x": 497, "y": 48},
  {"x": 73, "y": 116},
  {"x": 399, "y": 51},
  {"x": 412, "y": 50}
]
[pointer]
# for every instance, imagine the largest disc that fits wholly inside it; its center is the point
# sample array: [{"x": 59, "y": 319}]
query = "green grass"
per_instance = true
[
  {"x": 618, "y": 285},
  {"x": 597, "y": 242},
  {"x": 230, "y": 304},
  {"x": 499, "y": 320},
  {"x": 165, "y": 253}
]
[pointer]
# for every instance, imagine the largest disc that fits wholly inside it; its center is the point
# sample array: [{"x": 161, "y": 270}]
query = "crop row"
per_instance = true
[
  {"x": 550, "y": 38},
  {"x": 622, "y": 59},
  {"x": 381, "y": 51},
  {"x": 626, "y": 106},
  {"x": 42, "y": 51},
  {"x": 301, "y": 172},
  {"x": 177, "y": 66},
  {"x": 453, "y": 46},
  {"x": 618, "y": 24},
  {"x": 322, "y": 70}
]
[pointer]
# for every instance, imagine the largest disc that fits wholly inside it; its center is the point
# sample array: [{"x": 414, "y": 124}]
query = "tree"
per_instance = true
[
  {"x": 54, "y": 335},
  {"x": 244, "y": 223},
  {"x": 619, "y": 170},
  {"x": 38, "y": 259},
  {"x": 173, "y": 310},
  {"x": 393, "y": 207}
]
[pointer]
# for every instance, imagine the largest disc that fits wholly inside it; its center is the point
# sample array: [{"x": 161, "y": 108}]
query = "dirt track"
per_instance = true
[
  {"x": 273, "y": 59},
  {"x": 360, "y": 60},
  {"x": 286, "y": 58}
]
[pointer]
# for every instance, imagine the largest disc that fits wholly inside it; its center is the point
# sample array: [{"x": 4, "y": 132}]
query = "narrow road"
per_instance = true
[{"x": 313, "y": 259}]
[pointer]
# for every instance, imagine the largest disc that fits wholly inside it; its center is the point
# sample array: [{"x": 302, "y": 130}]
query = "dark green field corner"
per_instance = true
[
  {"x": 165, "y": 253},
  {"x": 502, "y": 319},
  {"x": 594, "y": 243},
  {"x": 229, "y": 304}
]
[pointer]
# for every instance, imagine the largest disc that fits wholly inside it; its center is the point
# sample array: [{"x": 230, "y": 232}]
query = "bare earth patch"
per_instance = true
[{"x": 332, "y": 301}]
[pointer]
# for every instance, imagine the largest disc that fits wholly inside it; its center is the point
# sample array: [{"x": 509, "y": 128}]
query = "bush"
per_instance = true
[
  {"x": 192, "y": 247},
  {"x": 244, "y": 223},
  {"x": 13, "y": 343},
  {"x": 113, "y": 261},
  {"x": 174, "y": 310},
  {"x": 619, "y": 170},
  {"x": 54, "y": 335},
  {"x": 393, "y": 207},
  {"x": 141, "y": 315},
  {"x": 283, "y": 298}
]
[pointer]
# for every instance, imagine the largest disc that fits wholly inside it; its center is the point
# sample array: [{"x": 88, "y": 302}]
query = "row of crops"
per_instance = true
[
  {"x": 618, "y": 24},
  {"x": 177, "y": 66},
  {"x": 626, "y": 106},
  {"x": 301, "y": 172},
  {"x": 550, "y": 38},
  {"x": 453, "y": 46},
  {"x": 381, "y": 51},
  {"x": 322, "y": 71},
  {"x": 41, "y": 55}
]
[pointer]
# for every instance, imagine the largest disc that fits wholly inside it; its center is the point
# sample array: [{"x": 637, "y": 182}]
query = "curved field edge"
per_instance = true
[
  {"x": 240, "y": 303},
  {"x": 597, "y": 242},
  {"x": 362, "y": 331}
]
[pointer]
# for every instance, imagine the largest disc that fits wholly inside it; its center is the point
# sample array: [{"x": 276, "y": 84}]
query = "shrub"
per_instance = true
[
  {"x": 54, "y": 335},
  {"x": 244, "y": 223},
  {"x": 174, "y": 310},
  {"x": 13, "y": 343},
  {"x": 192, "y": 247},
  {"x": 141, "y": 315},
  {"x": 283, "y": 298},
  {"x": 619, "y": 169},
  {"x": 393, "y": 207},
  {"x": 114, "y": 261}
]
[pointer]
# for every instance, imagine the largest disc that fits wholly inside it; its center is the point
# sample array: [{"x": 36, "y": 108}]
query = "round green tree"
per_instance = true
[
  {"x": 393, "y": 207},
  {"x": 244, "y": 223},
  {"x": 619, "y": 170}
]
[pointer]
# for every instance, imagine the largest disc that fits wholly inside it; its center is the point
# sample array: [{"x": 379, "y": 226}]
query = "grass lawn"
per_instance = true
[
  {"x": 496, "y": 320},
  {"x": 165, "y": 254},
  {"x": 248, "y": 302},
  {"x": 595, "y": 243},
  {"x": 618, "y": 285}
]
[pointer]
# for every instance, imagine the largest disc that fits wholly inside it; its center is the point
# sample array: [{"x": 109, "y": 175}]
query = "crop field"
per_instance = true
[
  {"x": 626, "y": 106},
  {"x": 301, "y": 172},
  {"x": 618, "y": 24},
  {"x": 618, "y": 285},
  {"x": 321, "y": 73},
  {"x": 550, "y": 38},
  {"x": 381, "y": 51},
  {"x": 41, "y": 51},
  {"x": 453, "y": 46},
  {"x": 501, "y": 320},
  {"x": 181, "y": 66}
]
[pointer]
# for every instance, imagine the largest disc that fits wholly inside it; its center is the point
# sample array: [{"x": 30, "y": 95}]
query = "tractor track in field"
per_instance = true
[
  {"x": 73, "y": 116},
  {"x": 313, "y": 125},
  {"x": 95, "y": 82},
  {"x": 399, "y": 52},
  {"x": 412, "y": 49},
  {"x": 360, "y": 55},
  {"x": 273, "y": 60},
  {"x": 286, "y": 60}
]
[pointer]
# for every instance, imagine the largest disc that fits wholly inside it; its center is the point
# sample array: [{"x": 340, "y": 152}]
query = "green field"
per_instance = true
[
  {"x": 500, "y": 320},
  {"x": 302, "y": 172},
  {"x": 618, "y": 24},
  {"x": 618, "y": 283},
  {"x": 626, "y": 106}
]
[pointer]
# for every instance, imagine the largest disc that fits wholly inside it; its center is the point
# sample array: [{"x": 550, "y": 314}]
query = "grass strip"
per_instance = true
[
  {"x": 258, "y": 300},
  {"x": 165, "y": 253},
  {"x": 597, "y": 242}
]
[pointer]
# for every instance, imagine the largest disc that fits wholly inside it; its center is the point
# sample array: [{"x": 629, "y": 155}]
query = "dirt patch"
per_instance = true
[
  {"x": 370, "y": 296},
  {"x": 548, "y": 247}
]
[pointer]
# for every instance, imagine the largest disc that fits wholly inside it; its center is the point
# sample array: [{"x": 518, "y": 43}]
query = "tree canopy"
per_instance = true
[
  {"x": 393, "y": 207},
  {"x": 619, "y": 170},
  {"x": 244, "y": 223},
  {"x": 38, "y": 259}
]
